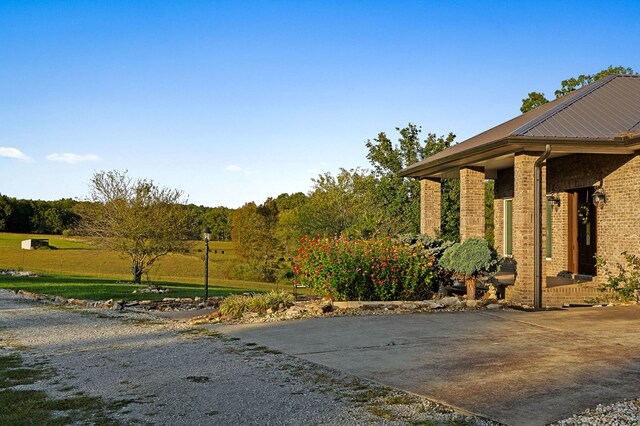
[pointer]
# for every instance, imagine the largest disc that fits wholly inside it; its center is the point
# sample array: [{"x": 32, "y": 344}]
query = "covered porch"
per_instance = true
[{"x": 565, "y": 174}]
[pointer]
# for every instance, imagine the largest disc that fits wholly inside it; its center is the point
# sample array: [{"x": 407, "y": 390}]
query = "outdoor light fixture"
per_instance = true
[
  {"x": 206, "y": 234},
  {"x": 554, "y": 199},
  {"x": 599, "y": 197}
]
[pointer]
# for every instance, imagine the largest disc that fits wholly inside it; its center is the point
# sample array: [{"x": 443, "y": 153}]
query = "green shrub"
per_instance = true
[
  {"x": 375, "y": 269},
  {"x": 623, "y": 284},
  {"x": 471, "y": 258}
]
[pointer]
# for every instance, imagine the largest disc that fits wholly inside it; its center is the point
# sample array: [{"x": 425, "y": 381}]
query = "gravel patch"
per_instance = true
[
  {"x": 153, "y": 371},
  {"x": 618, "y": 414}
]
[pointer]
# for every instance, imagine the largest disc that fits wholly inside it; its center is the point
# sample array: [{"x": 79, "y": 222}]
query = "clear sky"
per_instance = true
[{"x": 236, "y": 101}]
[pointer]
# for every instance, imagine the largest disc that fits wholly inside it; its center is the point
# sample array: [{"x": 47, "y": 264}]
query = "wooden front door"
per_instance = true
[{"x": 582, "y": 232}]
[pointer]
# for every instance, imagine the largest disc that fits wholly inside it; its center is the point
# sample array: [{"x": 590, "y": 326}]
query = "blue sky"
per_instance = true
[{"x": 236, "y": 101}]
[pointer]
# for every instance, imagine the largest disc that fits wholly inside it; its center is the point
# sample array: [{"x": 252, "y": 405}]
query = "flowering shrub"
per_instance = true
[
  {"x": 625, "y": 283},
  {"x": 376, "y": 269}
]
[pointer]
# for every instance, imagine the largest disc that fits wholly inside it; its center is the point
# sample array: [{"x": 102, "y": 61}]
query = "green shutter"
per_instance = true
[
  {"x": 508, "y": 227},
  {"x": 549, "y": 228}
]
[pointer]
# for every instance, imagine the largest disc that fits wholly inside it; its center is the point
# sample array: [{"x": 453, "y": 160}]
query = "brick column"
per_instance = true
[
  {"x": 430, "y": 202},
  {"x": 471, "y": 202},
  {"x": 523, "y": 207}
]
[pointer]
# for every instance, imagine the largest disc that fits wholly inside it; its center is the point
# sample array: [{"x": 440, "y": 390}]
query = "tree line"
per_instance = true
[{"x": 63, "y": 216}]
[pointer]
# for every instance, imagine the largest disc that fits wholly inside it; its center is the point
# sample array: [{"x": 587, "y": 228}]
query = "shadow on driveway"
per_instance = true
[{"x": 520, "y": 368}]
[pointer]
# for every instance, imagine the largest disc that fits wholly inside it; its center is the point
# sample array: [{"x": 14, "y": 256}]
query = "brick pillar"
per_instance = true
[
  {"x": 471, "y": 202},
  {"x": 430, "y": 201},
  {"x": 523, "y": 207}
]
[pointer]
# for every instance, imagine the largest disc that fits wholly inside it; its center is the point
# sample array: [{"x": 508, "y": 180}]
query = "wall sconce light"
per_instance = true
[
  {"x": 599, "y": 197},
  {"x": 554, "y": 199}
]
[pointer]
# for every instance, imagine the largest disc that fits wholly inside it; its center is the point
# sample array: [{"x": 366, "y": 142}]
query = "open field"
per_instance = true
[
  {"x": 76, "y": 268},
  {"x": 79, "y": 256}
]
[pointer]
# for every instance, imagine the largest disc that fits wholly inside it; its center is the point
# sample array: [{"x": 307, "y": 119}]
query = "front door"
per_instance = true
[{"x": 582, "y": 232}]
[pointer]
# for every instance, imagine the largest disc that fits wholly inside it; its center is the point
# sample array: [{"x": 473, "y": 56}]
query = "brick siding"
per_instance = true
[
  {"x": 430, "y": 206},
  {"x": 471, "y": 203},
  {"x": 618, "y": 221}
]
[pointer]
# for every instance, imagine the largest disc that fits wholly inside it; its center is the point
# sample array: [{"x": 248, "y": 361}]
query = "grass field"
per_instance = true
[
  {"x": 90, "y": 288},
  {"x": 76, "y": 268},
  {"x": 78, "y": 256}
]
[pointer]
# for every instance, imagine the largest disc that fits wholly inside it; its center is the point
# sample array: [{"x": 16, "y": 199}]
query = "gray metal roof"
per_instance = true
[{"x": 602, "y": 113}]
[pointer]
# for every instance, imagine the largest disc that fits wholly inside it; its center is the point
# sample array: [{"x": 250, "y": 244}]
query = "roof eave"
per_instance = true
[
  {"x": 513, "y": 144},
  {"x": 632, "y": 140}
]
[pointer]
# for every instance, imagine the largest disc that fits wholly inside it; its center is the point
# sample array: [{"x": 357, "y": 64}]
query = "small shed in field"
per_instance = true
[{"x": 34, "y": 243}]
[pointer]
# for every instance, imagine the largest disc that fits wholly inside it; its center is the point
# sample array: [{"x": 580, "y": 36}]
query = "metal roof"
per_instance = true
[{"x": 601, "y": 115}]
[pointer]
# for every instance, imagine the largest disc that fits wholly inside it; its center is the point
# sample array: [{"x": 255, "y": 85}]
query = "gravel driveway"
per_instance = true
[
  {"x": 158, "y": 372},
  {"x": 170, "y": 373}
]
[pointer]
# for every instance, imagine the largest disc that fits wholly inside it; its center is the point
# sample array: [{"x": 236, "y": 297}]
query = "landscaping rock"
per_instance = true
[
  {"x": 433, "y": 304},
  {"x": 409, "y": 306},
  {"x": 15, "y": 273},
  {"x": 492, "y": 293},
  {"x": 248, "y": 315},
  {"x": 294, "y": 312},
  {"x": 473, "y": 303},
  {"x": 493, "y": 306},
  {"x": 319, "y": 308},
  {"x": 450, "y": 302}
]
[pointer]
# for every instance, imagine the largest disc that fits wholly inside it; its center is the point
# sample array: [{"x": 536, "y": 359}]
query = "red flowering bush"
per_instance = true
[{"x": 376, "y": 269}]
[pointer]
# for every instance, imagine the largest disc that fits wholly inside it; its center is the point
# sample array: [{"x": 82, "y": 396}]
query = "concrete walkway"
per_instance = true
[{"x": 518, "y": 368}]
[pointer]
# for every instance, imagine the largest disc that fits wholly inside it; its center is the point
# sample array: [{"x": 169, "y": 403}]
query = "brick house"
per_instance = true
[{"x": 567, "y": 187}]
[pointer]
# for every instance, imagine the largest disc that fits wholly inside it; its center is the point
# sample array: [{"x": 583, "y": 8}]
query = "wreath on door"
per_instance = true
[{"x": 583, "y": 213}]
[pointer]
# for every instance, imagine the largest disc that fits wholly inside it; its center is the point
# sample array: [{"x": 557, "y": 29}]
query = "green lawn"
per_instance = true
[
  {"x": 80, "y": 256},
  {"x": 78, "y": 268},
  {"x": 92, "y": 288},
  {"x": 10, "y": 240}
]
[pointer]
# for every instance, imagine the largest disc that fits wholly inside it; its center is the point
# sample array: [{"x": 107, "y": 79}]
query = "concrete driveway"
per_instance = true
[{"x": 518, "y": 368}]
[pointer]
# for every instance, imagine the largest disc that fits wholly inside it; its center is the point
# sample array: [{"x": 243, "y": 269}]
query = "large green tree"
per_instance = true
[
  {"x": 252, "y": 232},
  {"x": 218, "y": 220},
  {"x": 137, "y": 218},
  {"x": 337, "y": 205},
  {"x": 536, "y": 99},
  {"x": 287, "y": 229},
  {"x": 5, "y": 211},
  {"x": 397, "y": 198}
]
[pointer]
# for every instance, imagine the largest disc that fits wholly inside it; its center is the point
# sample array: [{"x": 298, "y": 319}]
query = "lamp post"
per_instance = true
[{"x": 206, "y": 233}]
